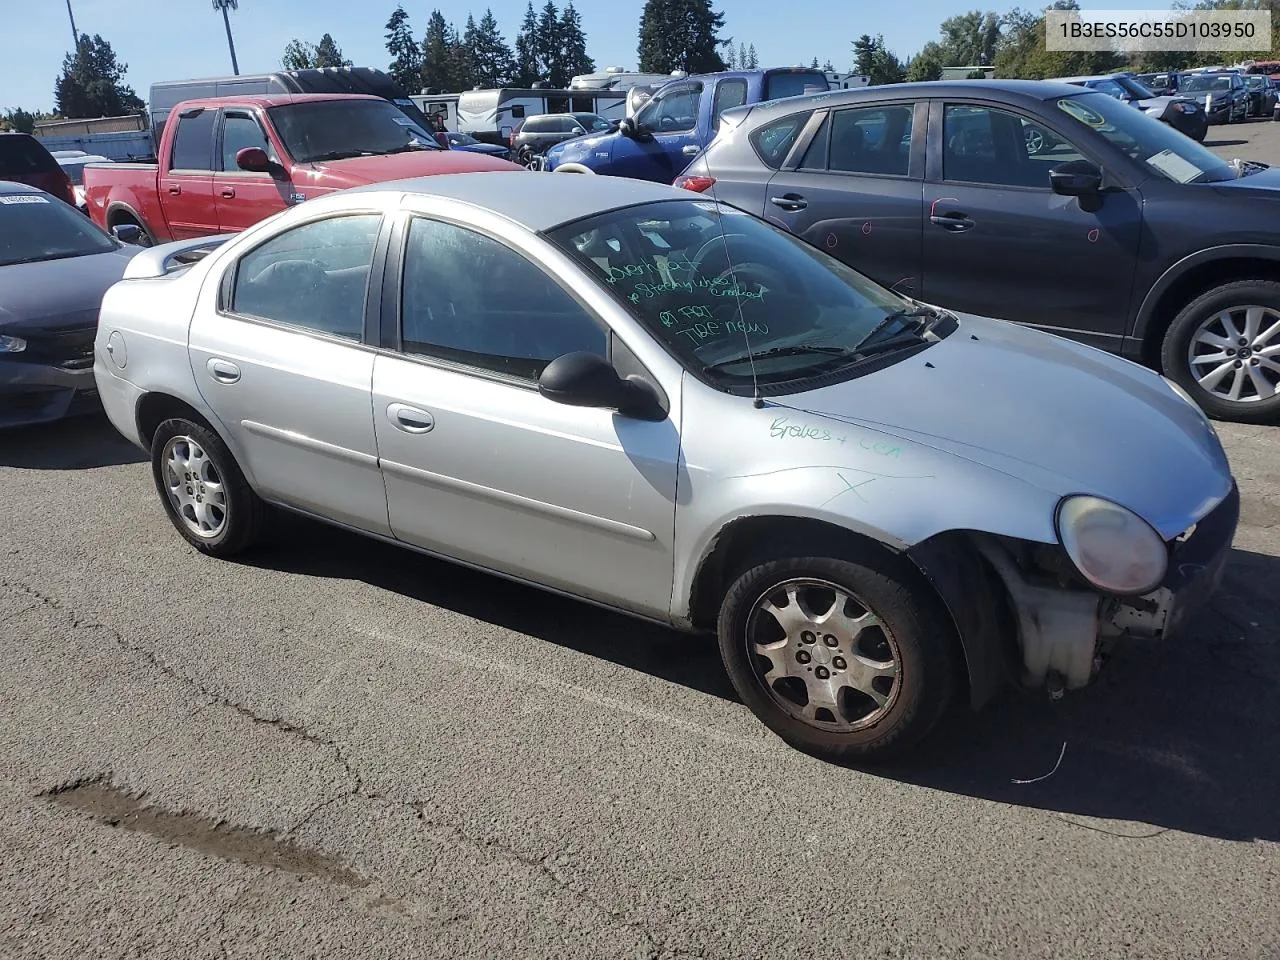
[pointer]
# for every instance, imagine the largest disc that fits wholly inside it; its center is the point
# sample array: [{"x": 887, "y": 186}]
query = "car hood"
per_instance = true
[
  {"x": 358, "y": 171},
  {"x": 1261, "y": 183},
  {"x": 486, "y": 148},
  {"x": 59, "y": 293},
  {"x": 1058, "y": 415},
  {"x": 583, "y": 144},
  {"x": 1160, "y": 104}
]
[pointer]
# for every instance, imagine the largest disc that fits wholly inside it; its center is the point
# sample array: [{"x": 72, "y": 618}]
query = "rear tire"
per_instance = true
[
  {"x": 1199, "y": 330},
  {"x": 861, "y": 662},
  {"x": 204, "y": 492}
]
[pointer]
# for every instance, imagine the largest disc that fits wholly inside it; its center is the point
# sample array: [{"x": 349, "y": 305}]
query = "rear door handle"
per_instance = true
[
  {"x": 789, "y": 201},
  {"x": 223, "y": 370},
  {"x": 175, "y": 188},
  {"x": 955, "y": 222},
  {"x": 410, "y": 419},
  {"x": 228, "y": 192},
  {"x": 689, "y": 150}
]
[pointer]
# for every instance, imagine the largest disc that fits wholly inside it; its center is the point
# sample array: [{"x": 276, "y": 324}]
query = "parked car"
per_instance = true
[
  {"x": 533, "y": 135},
  {"x": 54, "y": 268},
  {"x": 1262, "y": 95},
  {"x": 226, "y": 164},
  {"x": 1163, "y": 84},
  {"x": 73, "y": 167},
  {"x": 1184, "y": 114},
  {"x": 463, "y": 141},
  {"x": 1223, "y": 94},
  {"x": 625, "y": 393},
  {"x": 676, "y": 123},
  {"x": 1127, "y": 235},
  {"x": 24, "y": 159}
]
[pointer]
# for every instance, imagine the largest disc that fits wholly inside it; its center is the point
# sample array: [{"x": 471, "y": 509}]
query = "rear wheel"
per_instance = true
[
  {"x": 845, "y": 661},
  {"x": 1224, "y": 348},
  {"x": 203, "y": 490}
]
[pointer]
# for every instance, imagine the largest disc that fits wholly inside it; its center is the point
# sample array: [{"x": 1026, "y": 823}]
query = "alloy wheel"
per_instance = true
[
  {"x": 1034, "y": 140},
  {"x": 194, "y": 487},
  {"x": 823, "y": 655},
  {"x": 1235, "y": 354}
]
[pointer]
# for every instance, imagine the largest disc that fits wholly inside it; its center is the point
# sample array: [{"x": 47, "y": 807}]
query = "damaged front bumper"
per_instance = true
[{"x": 1063, "y": 631}]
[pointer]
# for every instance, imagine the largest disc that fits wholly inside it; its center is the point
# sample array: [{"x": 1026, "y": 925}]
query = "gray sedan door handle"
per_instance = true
[
  {"x": 223, "y": 371},
  {"x": 410, "y": 419},
  {"x": 790, "y": 201}
]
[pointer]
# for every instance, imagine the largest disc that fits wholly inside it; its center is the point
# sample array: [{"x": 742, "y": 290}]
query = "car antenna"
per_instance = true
[{"x": 757, "y": 401}]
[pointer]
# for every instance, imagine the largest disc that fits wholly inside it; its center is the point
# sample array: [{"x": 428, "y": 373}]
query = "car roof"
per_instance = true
[
  {"x": 1010, "y": 90},
  {"x": 273, "y": 99},
  {"x": 10, "y": 187},
  {"x": 536, "y": 201}
]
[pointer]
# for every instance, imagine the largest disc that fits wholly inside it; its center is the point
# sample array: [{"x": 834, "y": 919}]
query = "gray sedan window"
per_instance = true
[
  {"x": 470, "y": 299},
  {"x": 773, "y": 141},
  {"x": 314, "y": 276}
]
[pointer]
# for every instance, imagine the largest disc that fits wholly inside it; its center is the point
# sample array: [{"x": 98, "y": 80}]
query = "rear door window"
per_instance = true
[
  {"x": 773, "y": 141},
  {"x": 21, "y": 154},
  {"x": 729, "y": 94},
  {"x": 193, "y": 143}
]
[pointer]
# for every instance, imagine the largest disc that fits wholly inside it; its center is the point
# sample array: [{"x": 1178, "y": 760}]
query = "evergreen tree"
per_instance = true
[
  {"x": 731, "y": 61},
  {"x": 550, "y": 51},
  {"x": 873, "y": 58},
  {"x": 528, "y": 69},
  {"x": 742, "y": 56},
  {"x": 462, "y": 68},
  {"x": 92, "y": 83},
  {"x": 814, "y": 64},
  {"x": 573, "y": 43},
  {"x": 438, "y": 65},
  {"x": 829, "y": 67},
  {"x": 753, "y": 61},
  {"x": 491, "y": 59},
  {"x": 928, "y": 63},
  {"x": 680, "y": 35},
  {"x": 328, "y": 54},
  {"x": 298, "y": 55},
  {"x": 406, "y": 58}
]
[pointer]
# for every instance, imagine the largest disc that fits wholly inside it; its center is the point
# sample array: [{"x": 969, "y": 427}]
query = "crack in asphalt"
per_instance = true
[{"x": 657, "y": 947}]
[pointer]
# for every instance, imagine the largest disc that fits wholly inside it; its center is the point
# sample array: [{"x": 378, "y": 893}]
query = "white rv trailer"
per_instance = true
[
  {"x": 847, "y": 81},
  {"x": 492, "y": 115},
  {"x": 616, "y": 78}
]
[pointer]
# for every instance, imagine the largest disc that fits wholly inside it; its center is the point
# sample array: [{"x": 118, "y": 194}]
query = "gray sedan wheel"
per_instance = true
[
  {"x": 1224, "y": 348},
  {"x": 846, "y": 661},
  {"x": 204, "y": 492}
]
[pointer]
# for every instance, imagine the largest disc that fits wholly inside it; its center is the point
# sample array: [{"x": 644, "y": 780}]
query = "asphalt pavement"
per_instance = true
[{"x": 335, "y": 748}]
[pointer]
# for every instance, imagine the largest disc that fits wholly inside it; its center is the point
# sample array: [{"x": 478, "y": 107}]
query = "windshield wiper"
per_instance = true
[
  {"x": 915, "y": 320},
  {"x": 792, "y": 350},
  {"x": 342, "y": 155},
  {"x": 417, "y": 145}
]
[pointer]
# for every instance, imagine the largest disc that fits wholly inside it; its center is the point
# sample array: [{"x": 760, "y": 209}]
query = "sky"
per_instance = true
[{"x": 182, "y": 39}]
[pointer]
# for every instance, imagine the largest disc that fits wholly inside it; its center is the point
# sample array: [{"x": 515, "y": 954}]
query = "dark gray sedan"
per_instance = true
[{"x": 55, "y": 266}]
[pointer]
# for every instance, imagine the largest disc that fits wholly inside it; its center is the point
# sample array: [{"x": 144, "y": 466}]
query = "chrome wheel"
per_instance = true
[
  {"x": 194, "y": 487},
  {"x": 823, "y": 655},
  {"x": 1235, "y": 354},
  {"x": 1034, "y": 139}
]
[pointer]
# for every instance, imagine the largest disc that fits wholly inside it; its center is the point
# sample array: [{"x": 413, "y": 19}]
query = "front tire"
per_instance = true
[
  {"x": 1224, "y": 349},
  {"x": 204, "y": 492},
  {"x": 845, "y": 661}
]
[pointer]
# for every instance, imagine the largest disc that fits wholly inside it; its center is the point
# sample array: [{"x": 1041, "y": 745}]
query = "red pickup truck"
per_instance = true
[{"x": 226, "y": 163}]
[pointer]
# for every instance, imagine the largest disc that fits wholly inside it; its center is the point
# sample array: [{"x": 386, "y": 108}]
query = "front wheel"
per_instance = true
[
  {"x": 204, "y": 492},
  {"x": 1224, "y": 348},
  {"x": 845, "y": 661}
]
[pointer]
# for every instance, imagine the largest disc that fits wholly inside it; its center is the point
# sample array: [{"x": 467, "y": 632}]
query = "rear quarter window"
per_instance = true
[
  {"x": 773, "y": 141},
  {"x": 21, "y": 154}
]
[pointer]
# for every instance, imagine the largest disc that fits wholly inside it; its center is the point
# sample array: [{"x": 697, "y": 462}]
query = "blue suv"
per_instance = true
[{"x": 680, "y": 119}]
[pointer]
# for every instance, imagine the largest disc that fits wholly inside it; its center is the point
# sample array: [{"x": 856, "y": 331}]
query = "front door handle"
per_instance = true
[
  {"x": 955, "y": 222},
  {"x": 410, "y": 419},
  {"x": 175, "y": 188},
  {"x": 228, "y": 192},
  {"x": 223, "y": 370},
  {"x": 689, "y": 150},
  {"x": 789, "y": 201}
]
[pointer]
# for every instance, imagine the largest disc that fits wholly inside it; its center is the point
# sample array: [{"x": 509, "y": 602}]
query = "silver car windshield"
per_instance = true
[
  {"x": 716, "y": 284},
  {"x": 1158, "y": 146}
]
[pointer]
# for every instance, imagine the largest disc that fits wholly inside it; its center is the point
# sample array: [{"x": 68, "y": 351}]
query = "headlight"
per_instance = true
[
  {"x": 12, "y": 344},
  {"x": 1113, "y": 548}
]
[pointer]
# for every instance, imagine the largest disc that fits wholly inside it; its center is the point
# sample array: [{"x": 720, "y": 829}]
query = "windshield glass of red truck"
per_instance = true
[
  {"x": 751, "y": 301},
  {"x": 337, "y": 129}
]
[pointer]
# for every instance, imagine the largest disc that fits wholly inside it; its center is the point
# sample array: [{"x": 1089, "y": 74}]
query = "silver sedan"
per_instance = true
[{"x": 642, "y": 398}]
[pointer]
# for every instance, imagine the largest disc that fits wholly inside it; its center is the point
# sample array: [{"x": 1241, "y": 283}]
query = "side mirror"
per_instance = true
[
  {"x": 129, "y": 233},
  {"x": 584, "y": 379},
  {"x": 1075, "y": 178},
  {"x": 627, "y": 127},
  {"x": 253, "y": 159}
]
